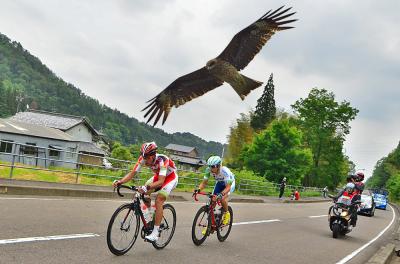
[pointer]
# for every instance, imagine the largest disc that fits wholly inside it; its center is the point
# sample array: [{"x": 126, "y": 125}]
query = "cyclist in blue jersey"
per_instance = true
[{"x": 224, "y": 183}]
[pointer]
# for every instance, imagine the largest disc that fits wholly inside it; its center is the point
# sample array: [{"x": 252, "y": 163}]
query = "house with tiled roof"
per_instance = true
[
  {"x": 76, "y": 126},
  {"x": 185, "y": 157},
  {"x": 34, "y": 136}
]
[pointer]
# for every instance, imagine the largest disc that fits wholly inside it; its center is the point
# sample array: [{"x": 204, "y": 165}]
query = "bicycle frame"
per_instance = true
[
  {"x": 211, "y": 205},
  {"x": 135, "y": 203}
]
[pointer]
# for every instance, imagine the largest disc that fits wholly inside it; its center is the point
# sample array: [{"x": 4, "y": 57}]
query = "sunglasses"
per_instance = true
[{"x": 214, "y": 166}]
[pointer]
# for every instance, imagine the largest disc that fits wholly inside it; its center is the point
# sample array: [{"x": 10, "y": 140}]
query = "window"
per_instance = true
[
  {"x": 54, "y": 151},
  {"x": 6, "y": 146},
  {"x": 31, "y": 149},
  {"x": 69, "y": 153}
]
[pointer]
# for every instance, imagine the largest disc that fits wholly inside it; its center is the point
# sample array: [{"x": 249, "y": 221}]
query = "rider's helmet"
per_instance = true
[
  {"x": 349, "y": 188},
  {"x": 148, "y": 149},
  {"x": 214, "y": 161},
  {"x": 360, "y": 176}
]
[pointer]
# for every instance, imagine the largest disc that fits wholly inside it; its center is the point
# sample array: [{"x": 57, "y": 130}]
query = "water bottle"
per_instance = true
[
  {"x": 152, "y": 212},
  {"x": 217, "y": 213},
  {"x": 146, "y": 213}
]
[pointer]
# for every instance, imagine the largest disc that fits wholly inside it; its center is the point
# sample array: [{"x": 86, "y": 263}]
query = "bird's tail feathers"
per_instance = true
[{"x": 244, "y": 87}]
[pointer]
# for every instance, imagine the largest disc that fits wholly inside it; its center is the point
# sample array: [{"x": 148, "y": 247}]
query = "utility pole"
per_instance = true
[{"x": 19, "y": 100}]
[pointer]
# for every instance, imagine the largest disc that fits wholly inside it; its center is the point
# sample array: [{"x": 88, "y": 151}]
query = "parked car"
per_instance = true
[
  {"x": 381, "y": 198},
  {"x": 367, "y": 205}
]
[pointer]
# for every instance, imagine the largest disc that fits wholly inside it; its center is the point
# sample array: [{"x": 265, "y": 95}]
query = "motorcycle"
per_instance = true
[{"x": 340, "y": 213}]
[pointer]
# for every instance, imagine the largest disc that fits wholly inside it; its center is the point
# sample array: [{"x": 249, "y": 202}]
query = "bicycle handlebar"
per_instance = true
[
  {"x": 209, "y": 195},
  {"x": 132, "y": 188}
]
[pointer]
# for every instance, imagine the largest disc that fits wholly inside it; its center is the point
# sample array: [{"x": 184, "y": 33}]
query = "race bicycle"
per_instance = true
[
  {"x": 208, "y": 220},
  {"x": 124, "y": 225}
]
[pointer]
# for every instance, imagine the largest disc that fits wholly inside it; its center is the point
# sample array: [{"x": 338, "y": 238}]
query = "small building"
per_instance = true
[
  {"x": 185, "y": 157},
  {"x": 76, "y": 126},
  {"x": 63, "y": 135},
  {"x": 26, "y": 142}
]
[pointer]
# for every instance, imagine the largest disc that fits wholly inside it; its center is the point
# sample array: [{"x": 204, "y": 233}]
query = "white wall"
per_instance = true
[
  {"x": 80, "y": 133},
  {"x": 40, "y": 142}
]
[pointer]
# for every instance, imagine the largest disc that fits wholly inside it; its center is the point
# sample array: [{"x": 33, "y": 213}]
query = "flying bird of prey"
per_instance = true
[{"x": 224, "y": 68}]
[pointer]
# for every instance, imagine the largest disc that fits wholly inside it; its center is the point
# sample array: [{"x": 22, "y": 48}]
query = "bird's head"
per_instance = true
[{"x": 211, "y": 64}]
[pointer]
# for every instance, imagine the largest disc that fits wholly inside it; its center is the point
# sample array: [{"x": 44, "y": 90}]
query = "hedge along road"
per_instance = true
[{"x": 68, "y": 230}]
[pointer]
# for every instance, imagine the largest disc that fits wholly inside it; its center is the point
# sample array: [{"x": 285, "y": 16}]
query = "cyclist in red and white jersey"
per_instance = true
[{"x": 164, "y": 180}]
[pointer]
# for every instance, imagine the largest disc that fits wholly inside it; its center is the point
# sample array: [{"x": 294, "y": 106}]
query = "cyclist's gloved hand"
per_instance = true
[
  {"x": 143, "y": 189},
  {"x": 196, "y": 192},
  {"x": 219, "y": 196},
  {"x": 116, "y": 183}
]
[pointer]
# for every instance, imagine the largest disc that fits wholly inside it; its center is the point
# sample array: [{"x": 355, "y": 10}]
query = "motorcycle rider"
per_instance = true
[{"x": 354, "y": 184}]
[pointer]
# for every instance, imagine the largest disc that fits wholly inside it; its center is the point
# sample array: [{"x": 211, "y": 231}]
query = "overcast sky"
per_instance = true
[{"x": 126, "y": 52}]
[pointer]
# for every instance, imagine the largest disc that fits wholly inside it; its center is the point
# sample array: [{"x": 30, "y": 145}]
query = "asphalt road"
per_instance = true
[{"x": 301, "y": 235}]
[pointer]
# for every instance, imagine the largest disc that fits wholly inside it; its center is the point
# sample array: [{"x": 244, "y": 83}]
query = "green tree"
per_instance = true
[
  {"x": 265, "y": 109},
  {"x": 122, "y": 153},
  {"x": 240, "y": 134},
  {"x": 325, "y": 124},
  {"x": 393, "y": 186},
  {"x": 135, "y": 150},
  {"x": 278, "y": 152},
  {"x": 385, "y": 171}
]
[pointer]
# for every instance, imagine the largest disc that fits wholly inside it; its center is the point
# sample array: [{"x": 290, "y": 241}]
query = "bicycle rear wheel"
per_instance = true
[
  {"x": 167, "y": 227},
  {"x": 201, "y": 226},
  {"x": 224, "y": 230},
  {"x": 122, "y": 230}
]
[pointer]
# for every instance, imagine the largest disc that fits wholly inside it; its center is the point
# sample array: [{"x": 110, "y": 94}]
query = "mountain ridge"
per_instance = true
[{"x": 25, "y": 80}]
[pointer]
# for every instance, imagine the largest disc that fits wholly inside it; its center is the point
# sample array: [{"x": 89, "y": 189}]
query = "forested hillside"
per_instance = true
[
  {"x": 24, "y": 80},
  {"x": 387, "y": 174}
]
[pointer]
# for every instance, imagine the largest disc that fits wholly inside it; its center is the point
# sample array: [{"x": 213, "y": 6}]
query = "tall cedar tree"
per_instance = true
[{"x": 265, "y": 109}]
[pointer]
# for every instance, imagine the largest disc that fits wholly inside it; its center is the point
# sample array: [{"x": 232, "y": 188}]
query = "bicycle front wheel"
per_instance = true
[
  {"x": 224, "y": 230},
  {"x": 167, "y": 227},
  {"x": 122, "y": 230},
  {"x": 201, "y": 226}
]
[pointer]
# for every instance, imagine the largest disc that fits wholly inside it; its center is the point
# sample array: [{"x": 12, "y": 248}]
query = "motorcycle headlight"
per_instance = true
[{"x": 344, "y": 213}]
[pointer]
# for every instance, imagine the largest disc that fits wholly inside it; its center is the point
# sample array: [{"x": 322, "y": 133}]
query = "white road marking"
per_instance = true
[
  {"x": 355, "y": 252},
  {"x": 257, "y": 222},
  {"x": 65, "y": 199},
  {"x": 45, "y": 238},
  {"x": 316, "y": 216}
]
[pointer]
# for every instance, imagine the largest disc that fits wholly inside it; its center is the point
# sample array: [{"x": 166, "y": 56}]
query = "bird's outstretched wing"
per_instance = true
[
  {"x": 248, "y": 42},
  {"x": 182, "y": 90}
]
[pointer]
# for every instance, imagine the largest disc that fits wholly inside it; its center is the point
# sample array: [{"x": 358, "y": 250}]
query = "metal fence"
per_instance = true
[{"x": 187, "y": 178}]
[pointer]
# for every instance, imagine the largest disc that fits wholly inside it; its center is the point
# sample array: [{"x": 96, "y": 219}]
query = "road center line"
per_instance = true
[
  {"x": 257, "y": 222},
  {"x": 316, "y": 216},
  {"x": 46, "y": 238},
  {"x": 355, "y": 252}
]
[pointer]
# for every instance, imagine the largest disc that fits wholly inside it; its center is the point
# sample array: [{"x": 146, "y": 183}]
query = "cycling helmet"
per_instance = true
[
  {"x": 148, "y": 149},
  {"x": 360, "y": 176},
  {"x": 214, "y": 161},
  {"x": 349, "y": 188}
]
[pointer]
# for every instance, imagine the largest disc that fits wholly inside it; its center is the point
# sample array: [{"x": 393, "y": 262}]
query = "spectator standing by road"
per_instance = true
[
  {"x": 282, "y": 187},
  {"x": 325, "y": 191}
]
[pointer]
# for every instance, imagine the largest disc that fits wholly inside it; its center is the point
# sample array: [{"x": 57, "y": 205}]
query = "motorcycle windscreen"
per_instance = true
[{"x": 344, "y": 200}]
